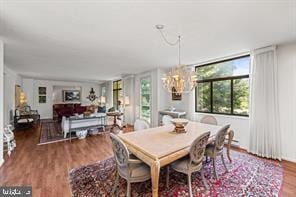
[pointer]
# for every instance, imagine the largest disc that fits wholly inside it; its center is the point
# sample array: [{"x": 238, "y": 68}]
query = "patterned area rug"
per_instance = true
[
  {"x": 51, "y": 131},
  {"x": 248, "y": 176}
]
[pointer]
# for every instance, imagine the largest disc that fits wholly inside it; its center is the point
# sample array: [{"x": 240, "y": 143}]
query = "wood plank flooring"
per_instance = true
[{"x": 46, "y": 167}]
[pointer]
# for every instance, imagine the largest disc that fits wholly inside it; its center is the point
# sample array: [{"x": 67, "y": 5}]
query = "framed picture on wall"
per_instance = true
[
  {"x": 42, "y": 99},
  {"x": 42, "y": 90},
  {"x": 18, "y": 91},
  {"x": 176, "y": 96}
]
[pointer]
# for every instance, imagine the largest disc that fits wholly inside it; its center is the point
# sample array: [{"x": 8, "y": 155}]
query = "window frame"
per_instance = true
[
  {"x": 231, "y": 78},
  {"x": 116, "y": 90},
  {"x": 148, "y": 77}
]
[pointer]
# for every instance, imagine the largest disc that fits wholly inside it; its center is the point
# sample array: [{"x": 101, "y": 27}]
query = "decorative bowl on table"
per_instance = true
[{"x": 180, "y": 124}]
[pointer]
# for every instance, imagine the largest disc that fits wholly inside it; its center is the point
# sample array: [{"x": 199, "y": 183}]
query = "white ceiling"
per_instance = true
[{"x": 100, "y": 40}]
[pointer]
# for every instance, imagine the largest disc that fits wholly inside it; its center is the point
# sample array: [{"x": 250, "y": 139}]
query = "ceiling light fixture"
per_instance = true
[{"x": 179, "y": 79}]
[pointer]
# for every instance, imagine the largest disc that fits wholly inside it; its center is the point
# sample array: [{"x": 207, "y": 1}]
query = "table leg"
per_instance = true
[
  {"x": 155, "y": 169},
  {"x": 230, "y": 138}
]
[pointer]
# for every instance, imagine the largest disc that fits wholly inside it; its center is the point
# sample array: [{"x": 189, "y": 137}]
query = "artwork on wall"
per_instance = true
[
  {"x": 42, "y": 90},
  {"x": 18, "y": 91},
  {"x": 71, "y": 95},
  {"x": 176, "y": 96},
  {"x": 42, "y": 99},
  {"x": 42, "y": 94},
  {"x": 92, "y": 95}
]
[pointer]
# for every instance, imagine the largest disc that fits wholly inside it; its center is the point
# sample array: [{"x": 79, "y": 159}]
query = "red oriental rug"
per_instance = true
[{"x": 248, "y": 176}]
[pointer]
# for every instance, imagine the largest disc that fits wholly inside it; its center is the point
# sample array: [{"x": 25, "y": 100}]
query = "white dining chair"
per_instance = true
[
  {"x": 192, "y": 162},
  {"x": 215, "y": 149},
  {"x": 166, "y": 120},
  {"x": 209, "y": 119},
  {"x": 128, "y": 167},
  {"x": 141, "y": 124}
]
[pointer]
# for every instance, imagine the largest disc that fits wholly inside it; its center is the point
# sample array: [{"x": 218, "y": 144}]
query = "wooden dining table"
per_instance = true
[{"x": 160, "y": 146}]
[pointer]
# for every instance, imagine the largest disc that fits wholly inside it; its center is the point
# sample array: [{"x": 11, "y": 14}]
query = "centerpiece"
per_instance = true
[{"x": 180, "y": 124}]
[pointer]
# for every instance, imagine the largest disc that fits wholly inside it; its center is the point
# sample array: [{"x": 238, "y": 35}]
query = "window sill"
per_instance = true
[{"x": 224, "y": 115}]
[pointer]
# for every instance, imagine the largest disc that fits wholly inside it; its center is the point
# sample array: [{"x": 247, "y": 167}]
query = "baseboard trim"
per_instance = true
[
  {"x": 1, "y": 162},
  {"x": 283, "y": 158},
  {"x": 289, "y": 159}
]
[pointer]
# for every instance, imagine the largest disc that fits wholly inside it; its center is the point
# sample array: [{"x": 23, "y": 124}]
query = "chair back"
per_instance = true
[
  {"x": 197, "y": 148},
  {"x": 209, "y": 119},
  {"x": 27, "y": 109},
  {"x": 166, "y": 119},
  {"x": 120, "y": 151},
  {"x": 220, "y": 137},
  {"x": 17, "y": 112},
  {"x": 141, "y": 124}
]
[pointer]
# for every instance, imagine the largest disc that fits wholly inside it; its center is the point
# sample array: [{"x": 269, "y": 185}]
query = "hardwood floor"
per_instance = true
[{"x": 46, "y": 167}]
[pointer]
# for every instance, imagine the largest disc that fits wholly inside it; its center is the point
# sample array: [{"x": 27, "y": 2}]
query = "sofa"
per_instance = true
[{"x": 67, "y": 110}]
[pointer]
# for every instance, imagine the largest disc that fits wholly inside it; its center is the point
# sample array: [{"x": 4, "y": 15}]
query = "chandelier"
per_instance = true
[{"x": 180, "y": 79}]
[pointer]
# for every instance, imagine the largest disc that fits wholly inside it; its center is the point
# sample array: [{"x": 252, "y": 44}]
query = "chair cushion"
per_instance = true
[
  {"x": 25, "y": 120},
  {"x": 137, "y": 171},
  {"x": 102, "y": 109},
  {"x": 181, "y": 165}
]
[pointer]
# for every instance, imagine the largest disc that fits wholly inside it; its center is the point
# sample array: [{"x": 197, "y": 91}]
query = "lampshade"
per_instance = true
[
  {"x": 126, "y": 100},
  {"x": 22, "y": 98},
  {"x": 102, "y": 99}
]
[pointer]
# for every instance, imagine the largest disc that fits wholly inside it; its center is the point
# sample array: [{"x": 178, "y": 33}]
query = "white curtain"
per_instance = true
[
  {"x": 265, "y": 135},
  {"x": 191, "y": 102}
]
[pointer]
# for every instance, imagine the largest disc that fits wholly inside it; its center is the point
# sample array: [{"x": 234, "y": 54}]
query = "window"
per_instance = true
[
  {"x": 117, "y": 93},
  {"x": 223, "y": 87},
  {"x": 145, "y": 100}
]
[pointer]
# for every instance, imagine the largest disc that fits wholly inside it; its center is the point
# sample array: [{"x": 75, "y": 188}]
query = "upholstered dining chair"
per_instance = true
[
  {"x": 129, "y": 168},
  {"x": 208, "y": 119},
  {"x": 215, "y": 149},
  {"x": 193, "y": 162},
  {"x": 141, "y": 124},
  {"x": 166, "y": 120}
]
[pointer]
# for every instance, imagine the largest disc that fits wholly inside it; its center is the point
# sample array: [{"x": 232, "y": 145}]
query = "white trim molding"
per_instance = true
[{"x": 289, "y": 159}]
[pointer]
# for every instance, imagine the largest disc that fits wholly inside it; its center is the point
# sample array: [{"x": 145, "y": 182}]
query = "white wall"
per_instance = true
[
  {"x": 287, "y": 98},
  {"x": 11, "y": 79},
  {"x": 57, "y": 93},
  {"x": 1, "y": 100},
  {"x": 239, "y": 124},
  {"x": 30, "y": 87},
  {"x": 109, "y": 93},
  {"x": 128, "y": 90}
]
